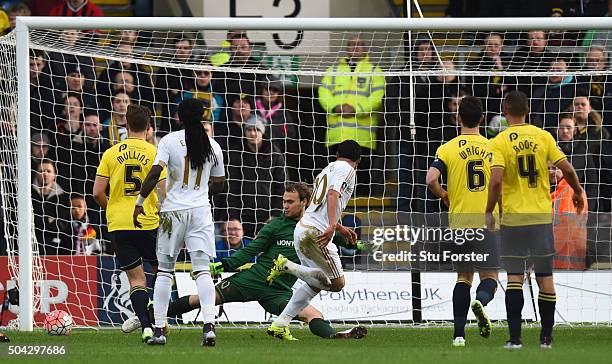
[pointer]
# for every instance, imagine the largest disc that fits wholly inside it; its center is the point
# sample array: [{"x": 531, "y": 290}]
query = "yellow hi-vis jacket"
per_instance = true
[{"x": 360, "y": 89}]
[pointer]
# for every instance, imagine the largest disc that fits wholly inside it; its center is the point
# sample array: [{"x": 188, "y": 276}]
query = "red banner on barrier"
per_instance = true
[{"x": 69, "y": 284}]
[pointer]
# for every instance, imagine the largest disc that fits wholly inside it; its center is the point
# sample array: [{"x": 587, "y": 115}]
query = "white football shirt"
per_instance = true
[
  {"x": 186, "y": 187},
  {"x": 338, "y": 176}
]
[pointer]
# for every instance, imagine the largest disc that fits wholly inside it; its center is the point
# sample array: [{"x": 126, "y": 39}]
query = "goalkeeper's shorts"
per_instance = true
[
  {"x": 242, "y": 287},
  {"x": 523, "y": 246}
]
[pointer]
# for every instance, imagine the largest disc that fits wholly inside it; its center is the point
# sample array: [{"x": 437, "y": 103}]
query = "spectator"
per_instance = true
[
  {"x": 534, "y": 56},
  {"x": 589, "y": 128},
  {"x": 232, "y": 239},
  {"x": 42, "y": 95},
  {"x": 61, "y": 63},
  {"x": 232, "y": 129},
  {"x": 131, "y": 77},
  {"x": 77, "y": 8},
  {"x": 5, "y": 24},
  {"x": 562, "y": 38},
  {"x": 40, "y": 149},
  {"x": 442, "y": 91},
  {"x": 270, "y": 107},
  {"x": 553, "y": 98},
  {"x": 450, "y": 124},
  {"x": 256, "y": 177},
  {"x": 50, "y": 205},
  {"x": 576, "y": 152},
  {"x": 599, "y": 85},
  {"x": 351, "y": 102},
  {"x": 86, "y": 150},
  {"x": 490, "y": 89},
  {"x": 17, "y": 9},
  {"x": 202, "y": 89},
  {"x": 232, "y": 84},
  {"x": 170, "y": 83},
  {"x": 569, "y": 228},
  {"x": 84, "y": 236},
  {"x": 77, "y": 84},
  {"x": 116, "y": 125}
]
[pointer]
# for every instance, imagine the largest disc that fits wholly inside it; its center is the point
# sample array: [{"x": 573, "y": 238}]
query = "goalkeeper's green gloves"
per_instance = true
[{"x": 216, "y": 269}]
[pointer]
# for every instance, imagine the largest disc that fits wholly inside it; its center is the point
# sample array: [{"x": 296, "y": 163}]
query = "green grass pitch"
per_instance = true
[{"x": 383, "y": 345}]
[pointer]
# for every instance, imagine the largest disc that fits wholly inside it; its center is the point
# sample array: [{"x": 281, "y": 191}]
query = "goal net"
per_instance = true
[{"x": 278, "y": 102}]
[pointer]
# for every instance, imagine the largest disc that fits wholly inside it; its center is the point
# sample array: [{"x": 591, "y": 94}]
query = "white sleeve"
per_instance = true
[
  {"x": 217, "y": 170},
  {"x": 163, "y": 153},
  {"x": 339, "y": 176}
]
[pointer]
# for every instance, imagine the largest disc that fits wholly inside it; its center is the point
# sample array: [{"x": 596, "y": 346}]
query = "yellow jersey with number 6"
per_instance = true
[
  {"x": 523, "y": 151},
  {"x": 465, "y": 161},
  {"x": 126, "y": 165}
]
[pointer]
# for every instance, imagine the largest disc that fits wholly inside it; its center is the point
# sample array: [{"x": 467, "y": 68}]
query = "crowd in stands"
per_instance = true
[{"x": 78, "y": 111}]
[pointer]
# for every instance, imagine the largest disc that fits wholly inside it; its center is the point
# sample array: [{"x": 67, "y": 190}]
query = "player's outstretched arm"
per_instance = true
[
  {"x": 433, "y": 183},
  {"x": 148, "y": 185},
  {"x": 569, "y": 173}
]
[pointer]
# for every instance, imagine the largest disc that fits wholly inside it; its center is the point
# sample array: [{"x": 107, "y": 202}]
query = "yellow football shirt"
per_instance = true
[
  {"x": 126, "y": 165},
  {"x": 523, "y": 151},
  {"x": 466, "y": 162}
]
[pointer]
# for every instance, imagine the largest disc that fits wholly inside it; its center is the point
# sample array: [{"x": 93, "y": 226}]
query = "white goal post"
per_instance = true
[{"x": 24, "y": 26}]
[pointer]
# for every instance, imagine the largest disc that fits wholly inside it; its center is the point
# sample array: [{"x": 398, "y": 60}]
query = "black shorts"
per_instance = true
[
  {"x": 523, "y": 245},
  {"x": 134, "y": 246},
  {"x": 485, "y": 250}
]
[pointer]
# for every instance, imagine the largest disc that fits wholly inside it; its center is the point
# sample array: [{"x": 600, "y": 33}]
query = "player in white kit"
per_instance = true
[
  {"x": 321, "y": 268},
  {"x": 195, "y": 168}
]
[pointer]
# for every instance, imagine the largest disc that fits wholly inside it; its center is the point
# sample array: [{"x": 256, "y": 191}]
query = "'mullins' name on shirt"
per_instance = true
[{"x": 134, "y": 155}]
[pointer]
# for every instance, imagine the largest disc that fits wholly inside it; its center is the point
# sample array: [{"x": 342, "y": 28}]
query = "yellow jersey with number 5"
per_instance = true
[
  {"x": 523, "y": 151},
  {"x": 126, "y": 165}
]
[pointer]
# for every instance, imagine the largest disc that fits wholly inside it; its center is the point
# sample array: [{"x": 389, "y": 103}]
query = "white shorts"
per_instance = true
[
  {"x": 312, "y": 255},
  {"x": 192, "y": 228}
]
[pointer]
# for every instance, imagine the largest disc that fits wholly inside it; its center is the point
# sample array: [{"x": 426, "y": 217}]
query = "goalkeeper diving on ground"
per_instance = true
[{"x": 275, "y": 238}]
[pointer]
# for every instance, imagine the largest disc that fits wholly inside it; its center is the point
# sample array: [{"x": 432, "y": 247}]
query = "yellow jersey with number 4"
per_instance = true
[
  {"x": 465, "y": 162},
  {"x": 126, "y": 165},
  {"x": 523, "y": 151}
]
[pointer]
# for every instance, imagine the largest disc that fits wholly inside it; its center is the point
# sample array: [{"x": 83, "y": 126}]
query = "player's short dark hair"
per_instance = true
[
  {"x": 470, "y": 111},
  {"x": 138, "y": 117},
  {"x": 304, "y": 191},
  {"x": 349, "y": 149},
  {"x": 516, "y": 103}
]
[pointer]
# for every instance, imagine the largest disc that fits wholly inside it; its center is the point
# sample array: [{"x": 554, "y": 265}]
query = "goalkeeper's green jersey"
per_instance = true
[{"x": 275, "y": 238}]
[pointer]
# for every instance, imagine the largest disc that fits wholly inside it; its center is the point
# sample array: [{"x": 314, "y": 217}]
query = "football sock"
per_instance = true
[
  {"x": 206, "y": 292},
  {"x": 300, "y": 299},
  {"x": 321, "y": 328},
  {"x": 312, "y": 276},
  {"x": 486, "y": 290},
  {"x": 461, "y": 305},
  {"x": 514, "y": 307},
  {"x": 140, "y": 298},
  {"x": 179, "y": 306},
  {"x": 546, "y": 304},
  {"x": 161, "y": 297}
]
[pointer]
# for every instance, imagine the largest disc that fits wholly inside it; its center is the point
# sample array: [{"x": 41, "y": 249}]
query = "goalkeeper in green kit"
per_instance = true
[{"x": 275, "y": 238}]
